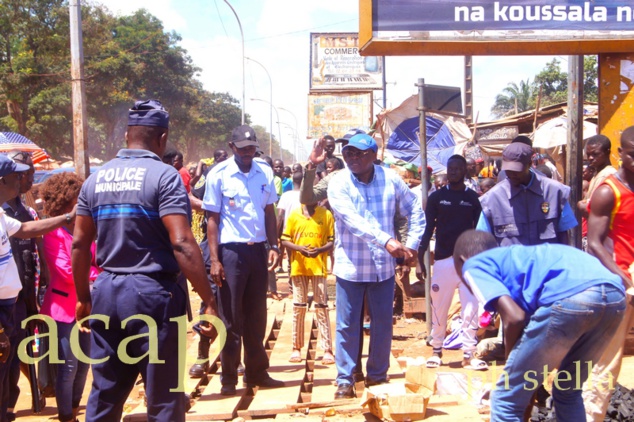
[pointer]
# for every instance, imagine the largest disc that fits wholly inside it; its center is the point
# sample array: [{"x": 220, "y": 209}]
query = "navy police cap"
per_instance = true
[{"x": 148, "y": 113}]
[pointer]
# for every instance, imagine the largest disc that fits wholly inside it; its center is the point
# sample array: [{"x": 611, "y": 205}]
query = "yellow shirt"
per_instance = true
[{"x": 313, "y": 231}]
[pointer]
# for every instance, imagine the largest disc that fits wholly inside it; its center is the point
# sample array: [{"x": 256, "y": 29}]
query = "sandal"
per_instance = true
[
  {"x": 434, "y": 362},
  {"x": 327, "y": 359},
  {"x": 476, "y": 364},
  {"x": 296, "y": 357}
]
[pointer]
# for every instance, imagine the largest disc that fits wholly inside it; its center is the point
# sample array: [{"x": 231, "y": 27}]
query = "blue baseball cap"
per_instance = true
[
  {"x": 8, "y": 166},
  {"x": 362, "y": 142},
  {"x": 148, "y": 113}
]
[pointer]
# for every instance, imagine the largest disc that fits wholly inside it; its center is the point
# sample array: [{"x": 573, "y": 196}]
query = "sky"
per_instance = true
[{"x": 277, "y": 35}]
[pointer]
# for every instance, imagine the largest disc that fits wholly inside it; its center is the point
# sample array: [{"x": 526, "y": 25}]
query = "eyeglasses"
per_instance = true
[{"x": 354, "y": 153}]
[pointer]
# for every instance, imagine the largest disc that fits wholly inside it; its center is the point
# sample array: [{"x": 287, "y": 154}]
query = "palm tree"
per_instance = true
[{"x": 514, "y": 99}]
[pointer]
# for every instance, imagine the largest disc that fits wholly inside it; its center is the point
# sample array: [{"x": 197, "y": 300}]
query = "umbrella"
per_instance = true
[
  {"x": 10, "y": 141},
  {"x": 554, "y": 132}
]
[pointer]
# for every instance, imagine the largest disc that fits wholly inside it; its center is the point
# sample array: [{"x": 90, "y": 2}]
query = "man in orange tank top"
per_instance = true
[{"x": 611, "y": 215}]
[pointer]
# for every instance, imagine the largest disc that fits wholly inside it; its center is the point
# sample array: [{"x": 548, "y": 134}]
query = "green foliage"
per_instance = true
[
  {"x": 125, "y": 58},
  {"x": 514, "y": 99},
  {"x": 554, "y": 89}
]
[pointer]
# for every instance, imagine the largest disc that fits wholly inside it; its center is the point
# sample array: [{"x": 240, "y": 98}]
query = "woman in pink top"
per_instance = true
[{"x": 60, "y": 194}]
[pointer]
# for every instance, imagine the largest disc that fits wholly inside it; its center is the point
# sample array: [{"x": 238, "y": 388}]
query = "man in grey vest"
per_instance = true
[{"x": 526, "y": 208}]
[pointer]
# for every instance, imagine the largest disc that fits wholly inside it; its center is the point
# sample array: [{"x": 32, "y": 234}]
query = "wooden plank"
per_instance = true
[
  {"x": 268, "y": 402},
  {"x": 214, "y": 406}
]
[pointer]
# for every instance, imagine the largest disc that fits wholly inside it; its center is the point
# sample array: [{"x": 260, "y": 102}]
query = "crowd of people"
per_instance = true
[{"x": 118, "y": 249}]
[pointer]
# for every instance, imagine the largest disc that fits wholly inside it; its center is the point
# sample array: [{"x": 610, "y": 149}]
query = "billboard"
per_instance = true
[
  {"x": 335, "y": 114},
  {"x": 336, "y": 65},
  {"x": 470, "y": 27}
]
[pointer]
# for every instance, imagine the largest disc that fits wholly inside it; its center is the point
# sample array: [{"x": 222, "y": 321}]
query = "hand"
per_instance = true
[
  {"x": 73, "y": 213},
  {"x": 217, "y": 273},
  {"x": 318, "y": 154},
  {"x": 312, "y": 252},
  {"x": 206, "y": 328},
  {"x": 421, "y": 271},
  {"x": 274, "y": 257},
  {"x": 304, "y": 250},
  {"x": 397, "y": 250},
  {"x": 5, "y": 347},
  {"x": 411, "y": 259},
  {"x": 82, "y": 310}
]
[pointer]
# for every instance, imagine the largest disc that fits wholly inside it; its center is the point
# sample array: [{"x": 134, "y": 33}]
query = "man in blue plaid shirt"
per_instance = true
[{"x": 364, "y": 198}]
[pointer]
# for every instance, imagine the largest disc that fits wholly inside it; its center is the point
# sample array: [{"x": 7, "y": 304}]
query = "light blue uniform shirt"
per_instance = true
[
  {"x": 534, "y": 276},
  {"x": 240, "y": 199},
  {"x": 364, "y": 222}
]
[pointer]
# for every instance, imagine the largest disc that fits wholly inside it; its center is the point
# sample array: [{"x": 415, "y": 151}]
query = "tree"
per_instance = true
[
  {"x": 514, "y": 99},
  {"x": 554, "y": 88},
  {"x": 125, "y": 59},
  {"x": 210, "y": 123}
]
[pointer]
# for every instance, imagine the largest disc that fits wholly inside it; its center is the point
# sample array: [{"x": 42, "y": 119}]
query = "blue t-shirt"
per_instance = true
[
  {"x": 126, "y": 199},
  {"x": 287, "y": 184},
  {"x": 534, "y": 276}
]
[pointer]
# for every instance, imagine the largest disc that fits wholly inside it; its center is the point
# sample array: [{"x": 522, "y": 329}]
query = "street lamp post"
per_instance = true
[
  {"x": 277, "y": 115},
  {"x": 242, "y": 37},
  {"x": 271, "y": 105},
  {"x": 296, "y": 131}
]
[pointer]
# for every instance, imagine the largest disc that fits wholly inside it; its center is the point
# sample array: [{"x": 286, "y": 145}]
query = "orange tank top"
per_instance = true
[{"x": 622, "y": 222}]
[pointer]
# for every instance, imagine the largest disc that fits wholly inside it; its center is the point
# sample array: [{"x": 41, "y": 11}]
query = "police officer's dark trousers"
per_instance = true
[
  {"x": 242, "y": 307},
  {"x": 129, "y": 298}
]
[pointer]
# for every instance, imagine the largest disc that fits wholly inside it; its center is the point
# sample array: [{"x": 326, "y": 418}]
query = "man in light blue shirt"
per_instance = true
[
  {"x": 239, "y": 198},
  {"x": 364, "y": 199}
]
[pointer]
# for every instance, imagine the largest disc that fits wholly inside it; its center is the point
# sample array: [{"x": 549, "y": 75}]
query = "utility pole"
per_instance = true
[
  {"x": 468, "y": 89},
  {"x": 80, "y": 119},
  {"x": 574, "y": 149}
]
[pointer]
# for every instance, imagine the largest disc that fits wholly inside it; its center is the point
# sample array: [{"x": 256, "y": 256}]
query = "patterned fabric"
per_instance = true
[
  {"x": 364, "y": 223},
  {"x": 300, "y": 297}
]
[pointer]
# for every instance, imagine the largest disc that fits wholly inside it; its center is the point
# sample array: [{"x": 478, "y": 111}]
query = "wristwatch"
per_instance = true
[
  {"x": 276, "y": 249},
  {"x": 68, "y": 219}
]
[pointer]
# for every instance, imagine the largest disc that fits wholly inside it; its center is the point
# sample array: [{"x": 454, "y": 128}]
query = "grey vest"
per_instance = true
[{"x": 525, "y": 215}]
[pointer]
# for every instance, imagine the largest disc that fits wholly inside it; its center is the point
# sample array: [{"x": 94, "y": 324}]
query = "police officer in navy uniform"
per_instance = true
[
  {"x": 239, "y": 198},
  {"x": 526, "y": 208},
  {"x": 137, "y": 208}
]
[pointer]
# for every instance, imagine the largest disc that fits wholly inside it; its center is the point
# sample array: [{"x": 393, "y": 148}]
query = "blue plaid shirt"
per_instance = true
[{"x": 364, "y": 222}]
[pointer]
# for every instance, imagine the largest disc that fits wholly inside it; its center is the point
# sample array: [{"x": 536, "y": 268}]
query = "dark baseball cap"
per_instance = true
[
  {"x": 516, "y": 156},
  {"x": 8, "y": 166},
  {"x": 148, "y": 113},
  {"x": 244, "y": 136}
]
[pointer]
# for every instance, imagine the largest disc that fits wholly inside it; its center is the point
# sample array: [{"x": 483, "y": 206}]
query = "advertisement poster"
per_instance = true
[
  {"x": 335, "y": 64},
  {"x": 336, "y": 114},
  {"x": 486, "y": 15}
]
